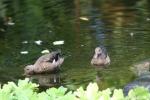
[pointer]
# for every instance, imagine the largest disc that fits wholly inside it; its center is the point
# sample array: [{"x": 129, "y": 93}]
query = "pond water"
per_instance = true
[{"x": 122, "y": 26}]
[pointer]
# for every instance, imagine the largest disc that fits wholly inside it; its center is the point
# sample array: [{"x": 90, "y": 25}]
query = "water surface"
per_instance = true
[{"x": 122, "y": 26}]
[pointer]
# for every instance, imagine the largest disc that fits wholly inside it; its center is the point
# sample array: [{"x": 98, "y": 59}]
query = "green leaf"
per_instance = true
[
  {"x": 139, "y": 93},
  {"x": 80, "y": 93},
  {"x": 118, "y": 95},
  {"x": 105, "y": 94},
  {"x": 26, "y": 84},
  {"x": 26, "y": 91},
  {"x": 43, "y": 96}
]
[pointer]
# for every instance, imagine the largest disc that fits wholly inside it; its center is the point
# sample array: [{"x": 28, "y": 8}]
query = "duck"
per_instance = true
[
  {"x": 49, "y": 62},
  {"x": 100, "y": 57}
]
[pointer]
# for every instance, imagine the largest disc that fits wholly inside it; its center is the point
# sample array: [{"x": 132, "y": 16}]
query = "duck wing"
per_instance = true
[
  {"x": 47, "y": 58},
  {"x": 48, "y": 66}
]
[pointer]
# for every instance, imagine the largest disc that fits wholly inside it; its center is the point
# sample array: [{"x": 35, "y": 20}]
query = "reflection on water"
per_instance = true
[
  {"x": 46, "y": 80},
  {"x": 121, "y": 26}
]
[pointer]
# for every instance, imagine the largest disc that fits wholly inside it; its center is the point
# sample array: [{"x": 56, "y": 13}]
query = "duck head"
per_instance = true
[
  {"x": 100, "y": 53},
  {"x": 29, "y": 69},
  {"x": 56, "y": 57},
  {"x": 100, "y": 57}
]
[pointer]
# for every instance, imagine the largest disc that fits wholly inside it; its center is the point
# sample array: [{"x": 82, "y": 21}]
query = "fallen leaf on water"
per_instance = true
[
  {"x": 84, "y": 18},
  {"x": 131, "y": 34},
  {"x": 11, "y": 23},
  {"x": 50, "y": 31},
  {"x": 148, "y": 19},
  {"x": 24, "y": 42},
  {"x": 38, "y": 42},
  {"x": 1, "y": 29},
  {"x": 58, "y": 42},
  {"x": 24, "y": 52},
  {"x": 45, "y": 51}
]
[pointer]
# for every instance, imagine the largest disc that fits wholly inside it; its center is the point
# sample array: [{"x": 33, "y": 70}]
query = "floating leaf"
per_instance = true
[
  {"x": 24, "y": 52},
  {"x": 58, "y": 42},
  {"x": 24, "y": 42},
  {"x": 38, "y": 42},
  {"x": 84, "y": 18},
  {"x": 45, "y": 51}
]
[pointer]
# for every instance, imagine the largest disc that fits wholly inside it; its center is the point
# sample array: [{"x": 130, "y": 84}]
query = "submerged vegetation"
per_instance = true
[{"x": 26, "y": 90}]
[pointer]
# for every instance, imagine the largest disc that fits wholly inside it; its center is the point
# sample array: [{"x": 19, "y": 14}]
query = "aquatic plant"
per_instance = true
[{"x": 26, "y": 90}]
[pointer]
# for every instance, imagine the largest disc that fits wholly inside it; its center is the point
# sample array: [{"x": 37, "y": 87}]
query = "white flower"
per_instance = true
[
  {"x": 45, "y": 51},
  {"x": 24, "y": 52},
  {"x": 38, "y": 42},
  {"x": 58, "y": 42}
]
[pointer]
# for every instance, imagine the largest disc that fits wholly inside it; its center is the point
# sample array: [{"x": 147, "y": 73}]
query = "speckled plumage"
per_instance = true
[
  {"x": 46, "y": 63},
  {"x": 100, "y": 57}
]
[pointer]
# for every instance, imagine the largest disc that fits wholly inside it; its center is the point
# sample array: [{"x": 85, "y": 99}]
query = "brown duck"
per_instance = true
[
  {"x": 100, "y": 58},
  {"x": 46, "y": 63}
]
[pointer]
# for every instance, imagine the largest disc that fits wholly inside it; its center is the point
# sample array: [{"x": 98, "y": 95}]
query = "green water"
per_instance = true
[{"x": 122, "y": 26}]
